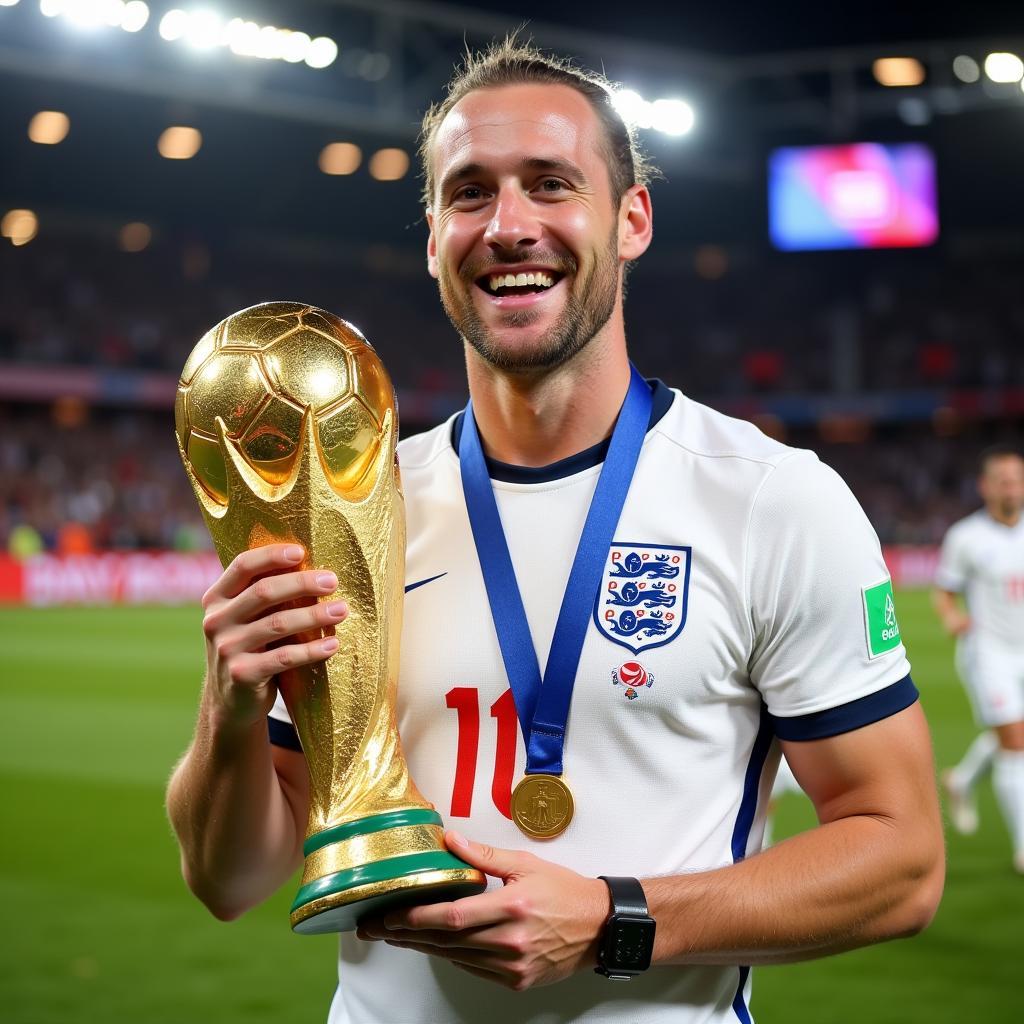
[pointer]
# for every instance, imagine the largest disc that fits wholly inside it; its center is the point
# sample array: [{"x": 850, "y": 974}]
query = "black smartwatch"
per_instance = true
[{"x": 627, "y": 942}]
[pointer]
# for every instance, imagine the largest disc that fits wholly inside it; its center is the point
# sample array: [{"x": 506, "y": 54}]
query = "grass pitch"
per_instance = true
[{"x": 99, "y": 927}]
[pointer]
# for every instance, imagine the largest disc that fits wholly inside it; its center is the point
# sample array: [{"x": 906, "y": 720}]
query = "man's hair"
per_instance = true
[
  {"x": 511, "y": 62},
  {"x": 997, "y": 451}
]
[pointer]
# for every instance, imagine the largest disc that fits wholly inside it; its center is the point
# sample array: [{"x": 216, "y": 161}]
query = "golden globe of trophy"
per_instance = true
[{"x": 287, "y": 426}]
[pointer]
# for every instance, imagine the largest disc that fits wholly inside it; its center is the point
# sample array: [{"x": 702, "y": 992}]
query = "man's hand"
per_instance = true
[
  {"x": 249, "y": 617},
  {"x": 542, "y": 926},
  {"x": 956, "y": 622}
]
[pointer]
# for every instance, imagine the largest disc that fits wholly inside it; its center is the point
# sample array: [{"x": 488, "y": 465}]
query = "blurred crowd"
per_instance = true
[{"x": 74, "y": 477}]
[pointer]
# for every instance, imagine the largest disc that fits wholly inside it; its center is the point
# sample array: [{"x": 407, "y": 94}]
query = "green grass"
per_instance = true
[{"x": 99, "y": 927}]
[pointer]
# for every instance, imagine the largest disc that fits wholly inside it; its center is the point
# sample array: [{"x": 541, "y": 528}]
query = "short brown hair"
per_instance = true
[{"x": 511, "y": 62}]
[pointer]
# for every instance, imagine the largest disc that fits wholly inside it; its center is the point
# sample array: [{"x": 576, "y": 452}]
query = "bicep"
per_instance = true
[
  {"x": 293, "y": 777},
  {"x": 884, "y": 770}
]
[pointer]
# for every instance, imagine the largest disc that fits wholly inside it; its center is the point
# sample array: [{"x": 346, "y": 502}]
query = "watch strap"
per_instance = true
[{"x": 627, "y": 895}]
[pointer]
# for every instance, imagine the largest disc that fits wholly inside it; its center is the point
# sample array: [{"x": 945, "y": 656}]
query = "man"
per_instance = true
[
  {"x": 740, "y": 600},
  {"x": 983, "y": 560}
]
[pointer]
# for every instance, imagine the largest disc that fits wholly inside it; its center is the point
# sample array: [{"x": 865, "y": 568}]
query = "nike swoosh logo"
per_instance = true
[{"x": 423, "y": 583}]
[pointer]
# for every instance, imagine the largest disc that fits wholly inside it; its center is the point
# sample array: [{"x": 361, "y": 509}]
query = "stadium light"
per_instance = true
[
  {"x": 1005, "y": 68},
  {"x": 389, "y": 164},
  {"x": 20, "y": 226},
  {"x": 966, "y": 68},
  {"x": 134, "y": 237},
  {"x": 340, "y": 158},
  {"x": 49, "y": 127},
  {"x": 8, "y": 3},
  {"x": 90, "y": 14},
  {"x": 205, "y": 29},
  {"x": 898, "y": 72},
  {"x": 179, "y": 143},
  {"x": 671, "y": 117}
]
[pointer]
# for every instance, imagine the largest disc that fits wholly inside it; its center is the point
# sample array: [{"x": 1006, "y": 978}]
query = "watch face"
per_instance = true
[{"x": 630, "y": 943}]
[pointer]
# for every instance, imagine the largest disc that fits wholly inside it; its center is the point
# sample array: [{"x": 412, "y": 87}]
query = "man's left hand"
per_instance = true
[{"x": 540, "y": 927}]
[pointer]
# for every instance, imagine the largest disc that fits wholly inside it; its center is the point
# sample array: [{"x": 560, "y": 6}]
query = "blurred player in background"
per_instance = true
[{"x": 983, "y": 560}]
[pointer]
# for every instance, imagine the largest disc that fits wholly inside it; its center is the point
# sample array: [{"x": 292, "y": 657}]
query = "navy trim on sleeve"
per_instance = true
[
  {"x": 283, "y": 734},
  {"x": 864, "y": 711}
]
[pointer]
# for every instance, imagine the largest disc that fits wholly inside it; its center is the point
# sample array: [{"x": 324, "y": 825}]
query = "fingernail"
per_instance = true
[
  {"x": 293, "y": 553},
  {"x": 327, "y": 580},
  {"x": 457, "y": 838},
  {"x": 329, "y": 645},
  {"x": 337, "y": 608}
]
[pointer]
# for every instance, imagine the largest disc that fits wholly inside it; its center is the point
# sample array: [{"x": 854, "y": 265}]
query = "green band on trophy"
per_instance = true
[
  {"x": 373, "y": 823},
  {"x": 377, "y": 871}
]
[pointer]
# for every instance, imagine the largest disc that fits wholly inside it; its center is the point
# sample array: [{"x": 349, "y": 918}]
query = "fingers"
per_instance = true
[
  {"x": 250, "y": 564},
  {"x": 270, "y": 591},
  {"x": 253, "y": 669},
  {"x": 284, "y": 622}
]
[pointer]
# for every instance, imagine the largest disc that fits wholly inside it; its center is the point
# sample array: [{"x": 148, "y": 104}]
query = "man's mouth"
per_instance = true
[{"x": 528, "y": 282}]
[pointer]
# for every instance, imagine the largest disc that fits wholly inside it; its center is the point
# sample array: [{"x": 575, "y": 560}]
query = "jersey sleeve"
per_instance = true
[
  {"x": 827, "y": 656},
  {"x": 279, "y": 725},
  {"x": 954, "y": 565}
]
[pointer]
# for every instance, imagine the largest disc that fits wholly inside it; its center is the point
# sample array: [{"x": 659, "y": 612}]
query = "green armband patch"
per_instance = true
[{"x": 880, "y": 618}]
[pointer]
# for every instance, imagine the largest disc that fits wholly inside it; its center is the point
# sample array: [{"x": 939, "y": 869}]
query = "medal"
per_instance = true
[{"x": 542, "y": 805}]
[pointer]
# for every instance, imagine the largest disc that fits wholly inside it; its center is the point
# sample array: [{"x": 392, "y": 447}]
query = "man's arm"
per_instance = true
[
  {"x": 951, "y": 614},
  {"x": 872, "y": 870},
  {"x": 238, "y": 804}
]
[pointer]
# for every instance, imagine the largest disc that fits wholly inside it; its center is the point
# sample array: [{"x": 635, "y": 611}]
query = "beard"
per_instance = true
[{"x": 588, "y": 308}]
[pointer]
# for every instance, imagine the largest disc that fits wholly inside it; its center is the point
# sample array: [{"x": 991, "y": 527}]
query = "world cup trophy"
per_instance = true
[{"x": 287, "y": 425}]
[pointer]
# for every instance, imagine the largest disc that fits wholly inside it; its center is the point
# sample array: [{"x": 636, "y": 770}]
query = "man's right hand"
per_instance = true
[{"x": 248, "y": 622}]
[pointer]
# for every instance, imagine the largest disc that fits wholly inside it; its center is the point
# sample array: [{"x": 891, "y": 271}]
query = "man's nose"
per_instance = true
[{"x": 514, "y": 222}]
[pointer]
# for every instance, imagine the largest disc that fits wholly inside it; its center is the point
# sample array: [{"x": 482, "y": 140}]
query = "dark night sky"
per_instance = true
[{"x": 735, "y": 26}]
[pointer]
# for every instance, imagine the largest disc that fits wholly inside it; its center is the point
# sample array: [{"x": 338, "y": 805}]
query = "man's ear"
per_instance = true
[
  {"x": 431, "y": 247},
  {"x": 636, "y": 222}
]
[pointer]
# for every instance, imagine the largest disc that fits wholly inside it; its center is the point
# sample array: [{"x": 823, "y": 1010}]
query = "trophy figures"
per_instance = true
[{"x": 287, "y": 427}]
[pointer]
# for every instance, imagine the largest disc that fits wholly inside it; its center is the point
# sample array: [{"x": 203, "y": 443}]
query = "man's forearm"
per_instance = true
[
  {"x": 233, "y": 817},
  {"x": 844, "y": 884}
]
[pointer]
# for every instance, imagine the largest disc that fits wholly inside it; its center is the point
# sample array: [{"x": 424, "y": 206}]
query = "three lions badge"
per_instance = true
[{"x": 643, "y": 596}]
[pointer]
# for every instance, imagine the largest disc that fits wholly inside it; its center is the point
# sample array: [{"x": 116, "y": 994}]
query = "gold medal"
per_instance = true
[{"x": 542, "y": 806}]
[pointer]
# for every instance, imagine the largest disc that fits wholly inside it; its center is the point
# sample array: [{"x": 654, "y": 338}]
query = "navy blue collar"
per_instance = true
[{"x": 661, "y": 397}]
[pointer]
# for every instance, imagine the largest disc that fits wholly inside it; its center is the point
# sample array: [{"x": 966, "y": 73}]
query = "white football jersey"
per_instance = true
[
  {"x": 732, "y": 611},
  {"x": 984, "y": 559}
]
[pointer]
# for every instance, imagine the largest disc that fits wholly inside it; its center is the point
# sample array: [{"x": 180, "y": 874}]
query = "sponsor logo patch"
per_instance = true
[
  {"x": 633, "y": 676},
  {"x": 883, "y": 631}
]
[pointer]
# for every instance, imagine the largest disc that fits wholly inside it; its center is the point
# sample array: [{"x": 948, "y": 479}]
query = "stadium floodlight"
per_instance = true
[
  {"x": 668, "y": 116},
  {"x": 966, "y": 68},
  {"x": 8, "y": 3},
  {"x": 179, "y": 142},
  {"x": 1005, "y": 68},
  {"x": 205, "y": 29},
  {"x": 340, "y": 158},
  {"x": 898, "y": 72},
  {"x": 91, "y": 14},
  {"x": 49, "y": 127},
  {"x": 389, "y": 164},
  {"x": 20, "y": 226}
]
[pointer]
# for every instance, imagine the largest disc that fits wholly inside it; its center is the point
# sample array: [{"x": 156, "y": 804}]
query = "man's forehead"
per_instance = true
[{"x": 508, "y": 117}]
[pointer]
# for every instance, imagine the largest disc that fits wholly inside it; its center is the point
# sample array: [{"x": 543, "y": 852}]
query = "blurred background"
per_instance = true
[{"x": 839, "y": 258}]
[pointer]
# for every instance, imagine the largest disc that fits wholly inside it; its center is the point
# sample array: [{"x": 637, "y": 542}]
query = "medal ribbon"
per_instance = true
[{"x": 542, "y": 704}]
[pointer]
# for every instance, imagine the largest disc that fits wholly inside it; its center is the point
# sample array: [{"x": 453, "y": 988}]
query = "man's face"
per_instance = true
[
  {"x": 524, "y": 236},
  {"x": 1002, "y": 485}
]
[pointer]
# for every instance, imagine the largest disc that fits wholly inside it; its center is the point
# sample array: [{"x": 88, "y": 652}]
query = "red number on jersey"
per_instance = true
[{"x": 465, "y": 701}]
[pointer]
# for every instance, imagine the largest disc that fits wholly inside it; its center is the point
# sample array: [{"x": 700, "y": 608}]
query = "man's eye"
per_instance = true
[
  {"x": 552, "y": 185},
  {"x": 470, "y": 192}
]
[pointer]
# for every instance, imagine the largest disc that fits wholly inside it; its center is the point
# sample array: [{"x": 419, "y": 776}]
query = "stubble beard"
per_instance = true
[{"x": 588, "y": 308}]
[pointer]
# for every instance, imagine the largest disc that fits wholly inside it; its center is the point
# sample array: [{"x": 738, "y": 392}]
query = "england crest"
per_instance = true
[{"x": 643, "y": 595}]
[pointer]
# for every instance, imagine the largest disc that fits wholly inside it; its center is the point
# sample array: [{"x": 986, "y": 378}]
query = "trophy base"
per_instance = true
[
  {"x": 342, "y": 911},
  {"x": 374, "y": 864}
]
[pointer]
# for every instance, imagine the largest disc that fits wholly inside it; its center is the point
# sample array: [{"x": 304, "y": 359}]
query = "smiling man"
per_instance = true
[{"x": 630, "y": 605}]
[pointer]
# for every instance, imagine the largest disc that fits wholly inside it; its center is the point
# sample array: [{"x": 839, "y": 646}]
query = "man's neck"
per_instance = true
[
  {"x": 1001, "y": 516},
  {"x": 534, "y": 420}
]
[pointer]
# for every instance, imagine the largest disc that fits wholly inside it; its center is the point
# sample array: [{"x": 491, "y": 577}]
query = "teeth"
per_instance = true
[{"x": 538, "y": 278}]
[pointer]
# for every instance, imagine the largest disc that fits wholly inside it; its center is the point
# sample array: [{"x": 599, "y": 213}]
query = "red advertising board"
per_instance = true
[{"x": 167, "y": 577}]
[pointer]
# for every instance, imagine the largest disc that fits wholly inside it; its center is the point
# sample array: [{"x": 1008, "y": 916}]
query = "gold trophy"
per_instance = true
[{"x": 287, "y": 427}]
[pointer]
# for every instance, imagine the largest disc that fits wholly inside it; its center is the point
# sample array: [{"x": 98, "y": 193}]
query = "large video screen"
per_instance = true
[{"x": 860, "y": 196}]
